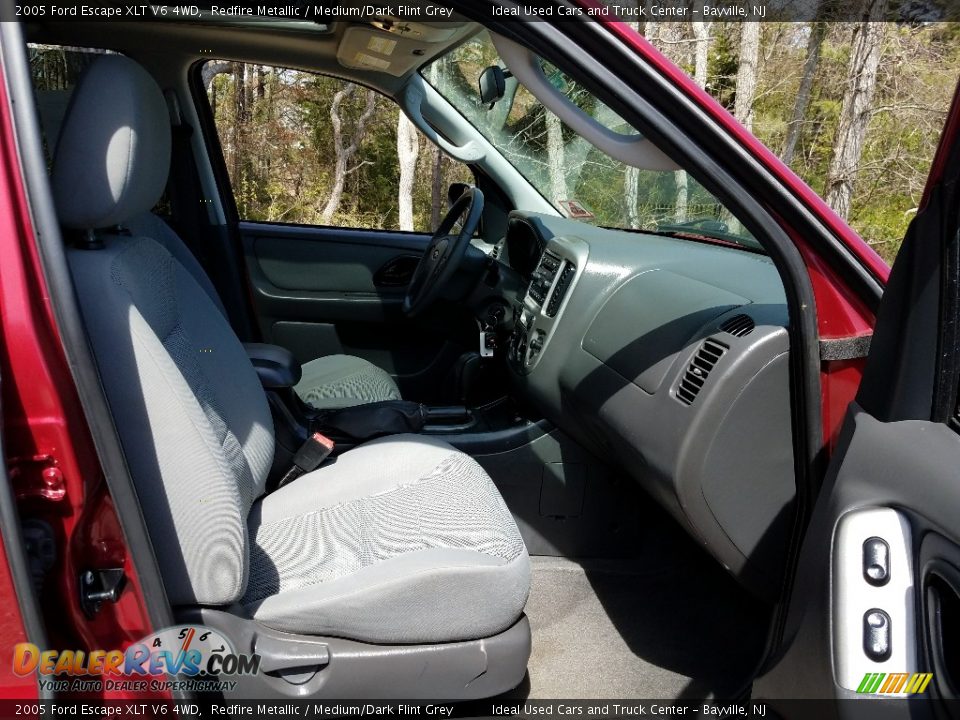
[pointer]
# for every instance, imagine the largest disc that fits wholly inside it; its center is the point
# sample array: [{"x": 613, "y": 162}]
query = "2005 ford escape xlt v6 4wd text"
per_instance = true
[{"x": 516, "y": 448}]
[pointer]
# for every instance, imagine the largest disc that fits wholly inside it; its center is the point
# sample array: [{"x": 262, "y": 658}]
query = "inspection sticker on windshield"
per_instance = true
[{"x": 576, "y": 210}]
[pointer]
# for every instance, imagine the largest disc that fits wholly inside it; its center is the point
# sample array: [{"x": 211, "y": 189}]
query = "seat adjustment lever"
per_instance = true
[{"x": 288, "y": 653}]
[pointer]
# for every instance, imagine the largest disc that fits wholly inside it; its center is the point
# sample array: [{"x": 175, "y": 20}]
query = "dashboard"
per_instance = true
[{"x": 669, "y": 357}]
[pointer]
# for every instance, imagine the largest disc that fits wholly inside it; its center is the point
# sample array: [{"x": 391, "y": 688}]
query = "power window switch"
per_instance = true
[
  {"x": 876, "y": 561},
  {"x": 876, "y": 635}
]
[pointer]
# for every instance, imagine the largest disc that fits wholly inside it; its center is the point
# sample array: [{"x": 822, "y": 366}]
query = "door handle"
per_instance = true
[{"x": 396, "y": 272}]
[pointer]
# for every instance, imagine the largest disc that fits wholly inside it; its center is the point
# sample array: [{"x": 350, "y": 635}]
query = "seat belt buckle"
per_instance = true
[{"x": 309, "y": 457}]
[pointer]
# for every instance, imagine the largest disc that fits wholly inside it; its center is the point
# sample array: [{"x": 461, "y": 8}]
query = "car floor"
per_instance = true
[{"x": 671, "y": 625}]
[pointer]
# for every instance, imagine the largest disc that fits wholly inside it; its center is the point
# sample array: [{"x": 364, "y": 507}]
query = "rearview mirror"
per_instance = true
[{"x": 493, "y": 85}]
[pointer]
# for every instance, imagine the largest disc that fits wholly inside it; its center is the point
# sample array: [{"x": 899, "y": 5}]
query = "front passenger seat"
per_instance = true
[
  {"x": 329, "y": 382},
  {"x": 401, "y": 541}
]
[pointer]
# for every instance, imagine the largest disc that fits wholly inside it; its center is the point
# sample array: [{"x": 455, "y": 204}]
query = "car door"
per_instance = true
[
  {"x": 873, "y": 620},
  {"x": 315, "y": 167}
]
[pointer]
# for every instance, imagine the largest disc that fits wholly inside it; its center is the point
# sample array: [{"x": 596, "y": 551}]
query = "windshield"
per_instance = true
[{"x": 581, "y": 181}]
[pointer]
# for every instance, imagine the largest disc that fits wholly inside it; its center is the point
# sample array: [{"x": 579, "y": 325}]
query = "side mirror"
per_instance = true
[
  {"x": 455, "y": 191},
  {"x": 493, "y": 85}
]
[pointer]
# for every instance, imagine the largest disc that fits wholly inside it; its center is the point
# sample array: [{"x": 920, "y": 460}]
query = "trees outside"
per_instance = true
[
  {"x": 328, "y": 151},
  {"x": 818, "y": 31},
  {"x": 747, "y": 73},
  {"x": 408, "y": 148},
  {"x": 811, "y": 78},
  {"x": 345, "y": 144},
  {"x": 856, "y": 108}
]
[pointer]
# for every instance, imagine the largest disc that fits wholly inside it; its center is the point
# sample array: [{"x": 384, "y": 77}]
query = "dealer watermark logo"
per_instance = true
[
  {"x": 198, "y": 655},
  {"x": 894, "y": 683}
]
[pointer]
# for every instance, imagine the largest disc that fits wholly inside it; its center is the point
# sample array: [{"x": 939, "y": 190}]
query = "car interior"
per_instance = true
[{"x": 563, "y": 459}]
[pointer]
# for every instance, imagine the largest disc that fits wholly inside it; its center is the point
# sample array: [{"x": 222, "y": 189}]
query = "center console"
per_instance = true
[
  {"x": 542, "y": 307},
  {"x": 495, "y": 427}
]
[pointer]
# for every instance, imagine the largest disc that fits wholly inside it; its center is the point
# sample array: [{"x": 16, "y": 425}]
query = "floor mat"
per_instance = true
[{"x": 622, "y": 629}]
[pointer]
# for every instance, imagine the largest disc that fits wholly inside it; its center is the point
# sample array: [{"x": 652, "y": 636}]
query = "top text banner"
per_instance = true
[{"x": 411, "y": 11}]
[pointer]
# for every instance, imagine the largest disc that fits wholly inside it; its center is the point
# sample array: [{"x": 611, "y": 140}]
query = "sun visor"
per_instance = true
[{"x": 634, "y": 150}]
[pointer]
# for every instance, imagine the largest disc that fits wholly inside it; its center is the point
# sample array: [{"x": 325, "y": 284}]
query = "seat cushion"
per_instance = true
[
  {"x": 338, "y": 381},
  {"x": 401, "y": 540}
]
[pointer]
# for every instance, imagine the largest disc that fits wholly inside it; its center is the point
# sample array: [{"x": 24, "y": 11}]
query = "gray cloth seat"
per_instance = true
[
  {"x": 326, "y": 383},
  {"x": 401, "y": 540}
]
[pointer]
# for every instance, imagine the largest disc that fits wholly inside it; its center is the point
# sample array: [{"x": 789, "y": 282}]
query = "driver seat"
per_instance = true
[{"x": 327, "y": 383}]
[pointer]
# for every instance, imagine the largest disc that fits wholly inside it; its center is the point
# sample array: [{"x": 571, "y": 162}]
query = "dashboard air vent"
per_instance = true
[
  {"x": 699, "y": 368},
  {"x": 738, "y": 325},
  {"x": 563, "y": 284}
]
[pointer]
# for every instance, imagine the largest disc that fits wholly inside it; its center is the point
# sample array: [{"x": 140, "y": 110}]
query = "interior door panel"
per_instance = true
[
  {"x": 331, "y": 260},
  {"x": 321, "y": 291},
  {"x": 873, "y": 614},
  {"x": 891, "y": 485}
]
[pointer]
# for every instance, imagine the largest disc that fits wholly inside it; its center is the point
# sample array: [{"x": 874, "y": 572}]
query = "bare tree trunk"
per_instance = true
[
  {"x": 701, "y": 52},
  {"x": 682, "y": 198},
  {"x": 855, "y": 108},
  {"x": 344, "y": 150},
  {"x": 436, "y": 165},
  {"x": 555, "y": 158},
  {"x": 675, "y": 36},
  {"x": 818, "y": 32},
  {"x": 631, "y": 175},
  {"x": 631, "y": 188},
  {"x": 236, "y": 140},
  {"x": 747, "y": 73},
  {"x": 436, "y": 189},
  {"x": 408, "y": 147}
]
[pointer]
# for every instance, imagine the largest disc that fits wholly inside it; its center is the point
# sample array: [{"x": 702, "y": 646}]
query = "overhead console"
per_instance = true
[
  {"x": 541, "y": 308},
  {"x": 669, "y": 358}
]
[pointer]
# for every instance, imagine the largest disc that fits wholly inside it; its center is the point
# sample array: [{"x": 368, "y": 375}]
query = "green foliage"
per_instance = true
[
  {"x": 722, "y": 65},
  {"x": 918, "y": 72}
]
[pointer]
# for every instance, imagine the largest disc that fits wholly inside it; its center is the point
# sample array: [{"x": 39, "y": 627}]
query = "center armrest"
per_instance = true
[{"x": 276, "y": 367}]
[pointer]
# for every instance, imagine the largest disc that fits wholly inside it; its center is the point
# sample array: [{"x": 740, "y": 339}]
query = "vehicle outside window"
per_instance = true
[
  {"x": 578, "y": 179},
  {"x": 314, "y": 150}
]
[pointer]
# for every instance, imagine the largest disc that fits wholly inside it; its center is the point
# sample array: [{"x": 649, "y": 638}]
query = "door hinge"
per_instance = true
[
  {"x": 99, "y": 586},
  {"x": 37, "y": 476}
]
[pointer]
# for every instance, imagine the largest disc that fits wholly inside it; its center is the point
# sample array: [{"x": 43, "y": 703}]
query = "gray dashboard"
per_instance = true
[{"x": 668, "y": 357}]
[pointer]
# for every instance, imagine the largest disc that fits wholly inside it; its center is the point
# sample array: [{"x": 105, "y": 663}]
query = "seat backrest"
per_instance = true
[{"x": 191, "y": 414}]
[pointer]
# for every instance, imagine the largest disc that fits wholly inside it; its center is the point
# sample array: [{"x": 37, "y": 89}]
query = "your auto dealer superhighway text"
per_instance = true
[{"x": 333, "y": 709}]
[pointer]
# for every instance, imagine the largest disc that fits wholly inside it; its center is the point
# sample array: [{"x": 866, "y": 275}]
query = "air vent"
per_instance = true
[
  {"x": 738, "y": 325},
  {"x": 699, "y": 368},
  {"x": 563, "y": 284}
]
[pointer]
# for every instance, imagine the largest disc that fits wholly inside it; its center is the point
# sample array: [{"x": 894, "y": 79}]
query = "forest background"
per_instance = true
[{"x": 854, "y": 108}]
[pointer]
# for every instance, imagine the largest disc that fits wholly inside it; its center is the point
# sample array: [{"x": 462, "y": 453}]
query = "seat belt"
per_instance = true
[
  {"x": 308, "y": 458},
  {"x": 187, "y": 214}
]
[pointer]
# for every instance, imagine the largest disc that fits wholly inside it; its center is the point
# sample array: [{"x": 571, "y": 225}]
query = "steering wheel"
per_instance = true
[{"x": 444, "y": 252}]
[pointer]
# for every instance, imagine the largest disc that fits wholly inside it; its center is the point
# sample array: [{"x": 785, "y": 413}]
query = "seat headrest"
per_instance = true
[{"x": 113, "y": 155}]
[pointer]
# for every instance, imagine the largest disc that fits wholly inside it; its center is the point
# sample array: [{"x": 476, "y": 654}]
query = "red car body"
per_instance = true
[{"x": 51, "y": 456}]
